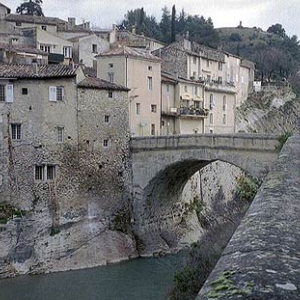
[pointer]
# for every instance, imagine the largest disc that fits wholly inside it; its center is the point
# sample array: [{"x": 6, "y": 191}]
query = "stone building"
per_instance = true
[
  {"x": 64, "y": 163},
  {"x": 86, "y": 47},
  {"x": 225, "y": 80},
  {"x": 140, "y": 71},
  {"x": 183, "y": 108}
]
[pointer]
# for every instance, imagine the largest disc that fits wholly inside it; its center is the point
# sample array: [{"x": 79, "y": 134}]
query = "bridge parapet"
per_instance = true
[
  {"x": 224, "y": 141},
  {"x": 262, "y": 260}
]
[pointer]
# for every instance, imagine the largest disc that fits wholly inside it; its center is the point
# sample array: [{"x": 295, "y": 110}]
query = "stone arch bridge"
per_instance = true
[
  {"x": 176, "y": 158},
  {"x": 162, "y": 165}
]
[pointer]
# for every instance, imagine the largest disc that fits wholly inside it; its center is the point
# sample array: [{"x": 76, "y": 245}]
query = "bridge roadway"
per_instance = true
[{"x": 262, "y": 259}]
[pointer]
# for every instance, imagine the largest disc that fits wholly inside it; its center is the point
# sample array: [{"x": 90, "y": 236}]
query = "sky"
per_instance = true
[{"x": 224, "y": 13}]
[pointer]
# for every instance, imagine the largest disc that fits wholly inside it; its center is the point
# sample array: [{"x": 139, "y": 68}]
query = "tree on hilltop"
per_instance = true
[
  {"x": 277, "y": 29},
  {"x": 31, "y": 7}
]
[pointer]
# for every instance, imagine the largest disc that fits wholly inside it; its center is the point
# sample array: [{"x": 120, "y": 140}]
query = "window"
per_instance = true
[
  {"x": 94, "y": 48},
  {"x": 60, "y": 134},
  {"x": 150, "y": 83},
  {"x": 220, "y": 79},
  {"x": 224, "y": 119},
  {"x": 16, "y": 132},
  {"x": 111, "y": 65},
  {"x": 24, "y": 91},
  {"x": 220, "y": 66},
  {"x": 45, "y": 48},
  {"x": 168, "y": 88},
  {"x": 153, "y": 108},
  {"x": 56, "y": 93},
  {"x": 39, "y": 172},
  {"x": 208, "y": 78},
  {"x": 105, "y": 143},
  {"x": 67, "y": 51},
  {"x": 196, "y": 90},
  {"x": 152, "y": 129},
  {"x": 197, "y": 104},
  {"x": 211, "y": 101},
  {"x": 18, "y": 24},
  {"x": 150, "y": 68},
  {"x": 194, "y": 60},
  {"x": 106, "y": 119},
  {"x": 111, "y": 77},
  {"x": 110, "y": 94},
  {"x": 51, "y": 172},
  {"x": 44, "y": 27},
  {"x": 6, "y": 93},
  {"x": 185, "y": 89},
  {"x": 2, "y": 93},
  {"x": 138, "y": 108},
  {"x": 211, "y": 118},
  {"x": 207, "y": 62},
  {"x": 224, "y": 103},
  {"x": 45, "y": 172}
]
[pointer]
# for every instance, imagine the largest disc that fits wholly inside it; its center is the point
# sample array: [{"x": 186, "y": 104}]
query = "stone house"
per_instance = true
[
  {"x": 50, "y": 110},
  {"x": 86, "y": 47},
  {"x": 64, "y": 161},
  {"x": 183, "y": 108},
  {"x": 119, "y": 37},
  {"x": 140, "y": 71}
]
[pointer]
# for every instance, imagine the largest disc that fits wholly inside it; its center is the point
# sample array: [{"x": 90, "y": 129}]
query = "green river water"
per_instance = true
[{"x": 138, "y": 279}]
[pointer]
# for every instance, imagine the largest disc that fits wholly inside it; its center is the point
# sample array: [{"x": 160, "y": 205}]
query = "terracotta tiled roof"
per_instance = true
[
  {"x": 42, "y": 71},
  {"x": 21, "y": 48},
  {"x": 33, "y": 19},
  {"x": 131, "y": 52},
  {"x": 97, "y": 83}
]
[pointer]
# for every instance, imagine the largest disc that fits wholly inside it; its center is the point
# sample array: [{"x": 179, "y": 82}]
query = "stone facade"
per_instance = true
[
  {"x": 140, "y": 71},
  {"x": 67, "y": 169}
]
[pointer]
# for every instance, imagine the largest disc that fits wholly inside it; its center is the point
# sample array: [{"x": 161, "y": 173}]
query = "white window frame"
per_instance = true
[
  {"x": 60, "y": 134},
  {"x": 56, "y": 93},
  {"x": 16, "y": 131},
  {"x": 150, "y": 83},
  {"x": 45, "y": 172},
  {"x": 7, "y": 93},
  {"x": 67, "y": 51}
]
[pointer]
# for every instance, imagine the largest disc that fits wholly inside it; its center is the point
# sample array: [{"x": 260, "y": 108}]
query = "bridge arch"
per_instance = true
[{"x": 161, "y": 167}]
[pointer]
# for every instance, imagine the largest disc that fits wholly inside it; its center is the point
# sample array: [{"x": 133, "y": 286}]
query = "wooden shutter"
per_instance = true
[
  {"x": 9, "y": 91},
  {"x": 52, "y": 93}
]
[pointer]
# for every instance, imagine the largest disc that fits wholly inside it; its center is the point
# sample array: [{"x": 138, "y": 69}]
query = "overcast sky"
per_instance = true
[{"x": 224, "y": 13}]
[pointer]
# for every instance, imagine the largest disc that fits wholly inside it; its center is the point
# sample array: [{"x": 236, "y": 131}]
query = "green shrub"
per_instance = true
[
  {"x": 246, "y": 187},
  {"x": 282, "y": 139}
]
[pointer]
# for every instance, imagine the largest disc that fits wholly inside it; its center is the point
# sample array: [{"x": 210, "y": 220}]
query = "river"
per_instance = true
[{"x": 138, "y": 279}]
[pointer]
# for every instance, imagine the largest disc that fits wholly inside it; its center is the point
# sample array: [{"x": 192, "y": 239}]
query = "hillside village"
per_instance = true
[{"x": 70, "y": 99}]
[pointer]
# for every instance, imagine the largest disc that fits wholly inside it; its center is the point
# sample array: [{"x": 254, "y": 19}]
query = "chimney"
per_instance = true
[
  {"x": 71, "y": 22},
  {"x": 35, "y": 68}
]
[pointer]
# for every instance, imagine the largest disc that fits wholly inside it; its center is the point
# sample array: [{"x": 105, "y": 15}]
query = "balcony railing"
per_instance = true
[
  {"x": 186, "y": 112},
  {"x": 192, "y": 111}
]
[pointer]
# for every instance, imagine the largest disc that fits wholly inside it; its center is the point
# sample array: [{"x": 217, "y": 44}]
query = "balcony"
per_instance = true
[{"x": 192, "y": 112}]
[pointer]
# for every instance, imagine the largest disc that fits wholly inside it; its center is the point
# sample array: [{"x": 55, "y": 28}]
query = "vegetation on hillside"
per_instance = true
[
  {"x": 171, "y": 25},
  {"x": 276, "y": 55}
]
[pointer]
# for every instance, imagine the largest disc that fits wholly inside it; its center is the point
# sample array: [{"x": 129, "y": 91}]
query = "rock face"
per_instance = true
[{"x": 274, "y": 111}]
